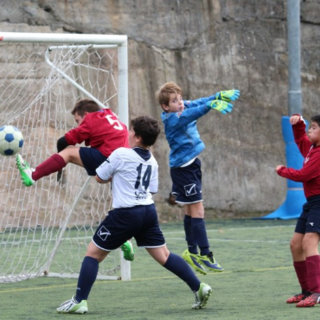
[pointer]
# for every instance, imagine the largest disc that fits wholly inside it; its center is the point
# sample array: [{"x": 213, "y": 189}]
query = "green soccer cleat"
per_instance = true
[
  {"x": 128, "y": 251},
  {"x": 73, "y": 306},
  {"x": 202, "y": 296},
  {"x": 210, "y": 263},
  {"x": 193, "y": 261},
  {"x": 25, "y": 171}
]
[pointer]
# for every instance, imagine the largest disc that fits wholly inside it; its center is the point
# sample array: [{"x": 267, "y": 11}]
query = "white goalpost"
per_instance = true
[{"x": 45, "y": 229}]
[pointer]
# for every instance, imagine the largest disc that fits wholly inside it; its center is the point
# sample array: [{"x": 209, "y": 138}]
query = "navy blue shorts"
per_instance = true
[
  {"x": 187, "y": 183},
  {"x": 309, "y": 220},
  {"x": 140, "y": 222},
  {"x": 91, "y": 159}
]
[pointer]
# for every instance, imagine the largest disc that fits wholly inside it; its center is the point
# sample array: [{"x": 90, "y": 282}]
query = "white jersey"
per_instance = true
[{"x": 134, "y": 174}]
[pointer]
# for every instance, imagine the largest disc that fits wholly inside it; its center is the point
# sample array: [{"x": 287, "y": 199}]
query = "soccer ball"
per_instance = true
[{"x": 11, "y": 140}]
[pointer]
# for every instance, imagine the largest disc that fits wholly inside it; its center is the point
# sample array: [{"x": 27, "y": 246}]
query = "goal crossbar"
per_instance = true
[{"x": 120, "y": 40}]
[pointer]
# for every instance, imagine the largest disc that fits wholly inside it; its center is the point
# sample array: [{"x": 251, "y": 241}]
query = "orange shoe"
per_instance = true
[
  {"x": 309, "y": 301},
  {"x": 298, "y": 297}
]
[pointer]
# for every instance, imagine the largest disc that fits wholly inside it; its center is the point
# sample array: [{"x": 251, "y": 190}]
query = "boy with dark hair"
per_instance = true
[
  {"x": 179, "y": 118},
  {"x": 98, "y": 128},
  {"x": 134, "y": 176},
  {"x": 305, "y": 241}
]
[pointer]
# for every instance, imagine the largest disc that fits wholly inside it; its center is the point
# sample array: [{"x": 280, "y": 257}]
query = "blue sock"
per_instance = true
[
  {"x": 192, "y": 247},
  {"x": 200, "y": 235},
  {"x": 87, "y": 277},
  {"x": 180, "y": 268}
]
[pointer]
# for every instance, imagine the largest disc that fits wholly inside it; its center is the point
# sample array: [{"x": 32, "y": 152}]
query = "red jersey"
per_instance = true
[
  {"x": 101, "y": 130},
  {"x": 309, "y": 174}
]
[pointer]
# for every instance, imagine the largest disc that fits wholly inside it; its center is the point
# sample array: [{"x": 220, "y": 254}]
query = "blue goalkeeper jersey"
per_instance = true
[{"x": 182, "y": 133}]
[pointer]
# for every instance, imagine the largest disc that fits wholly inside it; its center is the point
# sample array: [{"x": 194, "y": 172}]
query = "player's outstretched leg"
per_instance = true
[
  {"x": 128, "y": 251},
  {"x": 193, "y": 261},
  {"x": 210, "y": 263},
  {"x": 202, "y": 296},
  {"x": 73, "y": 306},
  {"x": 25, "y": 171}
]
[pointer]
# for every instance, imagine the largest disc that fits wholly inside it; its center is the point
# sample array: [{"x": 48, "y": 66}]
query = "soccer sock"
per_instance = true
[
  {"x": 51, "y": 165},
  {"x": 313, "y": 272},
  {"x": 301, "y": 271},
  {"x": 87, "y": 277},
  {"x": 192, "y": 247},
  {"x": 180, "y": 268},
  {"x": 200, "y": 235}
]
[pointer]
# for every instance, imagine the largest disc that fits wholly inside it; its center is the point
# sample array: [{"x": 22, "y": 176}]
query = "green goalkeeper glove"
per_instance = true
[
  {"x": 229, "y": 95},
  {"x": 219, "y": 105}
]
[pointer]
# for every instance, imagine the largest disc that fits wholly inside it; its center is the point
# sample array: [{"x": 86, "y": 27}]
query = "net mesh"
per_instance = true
[{"x": 45, "y": 229}]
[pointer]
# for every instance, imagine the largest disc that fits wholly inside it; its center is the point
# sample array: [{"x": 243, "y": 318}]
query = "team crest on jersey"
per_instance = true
[
  {"x": 103, "y": 233},
  {"x": 179, "y": 114},
  {"x": 190, "y": 189}
]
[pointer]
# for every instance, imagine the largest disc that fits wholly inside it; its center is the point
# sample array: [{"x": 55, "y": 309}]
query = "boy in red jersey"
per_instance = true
[
  {"x": 305, "y": 240},
  {"x": 98, "y": 128}
]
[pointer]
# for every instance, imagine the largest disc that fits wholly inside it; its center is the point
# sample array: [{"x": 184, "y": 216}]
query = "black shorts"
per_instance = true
[
  {"x": 309, "y": 220},
  {"x": 187, "y": 183},
  {"x": 91, "y": 159},
  {"x": 139, "y": 222}
]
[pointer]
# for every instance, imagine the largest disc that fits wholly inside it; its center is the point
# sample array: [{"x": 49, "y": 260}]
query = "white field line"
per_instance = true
[
  {"x": 235, "y": 240},
  {"x": 233, "y": 229}
]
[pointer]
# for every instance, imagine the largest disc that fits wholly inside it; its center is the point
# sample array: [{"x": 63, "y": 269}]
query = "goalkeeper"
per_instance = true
[
  {"x": 179, "y": 119},
  {"x": 98, "y": 128}
]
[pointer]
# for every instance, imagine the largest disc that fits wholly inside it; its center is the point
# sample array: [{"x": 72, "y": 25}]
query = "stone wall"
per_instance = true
[{"x": 205, "y": 46}]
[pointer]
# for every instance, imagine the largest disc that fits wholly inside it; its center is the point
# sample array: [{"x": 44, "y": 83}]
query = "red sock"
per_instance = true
[
  {"x": 51, "y": 165},
  {"x": 313, "y": 272},
  {"x": 301, "y": 271}
]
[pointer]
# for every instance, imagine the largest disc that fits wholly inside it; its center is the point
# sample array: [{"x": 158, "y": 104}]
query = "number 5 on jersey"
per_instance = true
[{"x": 117, "y": 123}]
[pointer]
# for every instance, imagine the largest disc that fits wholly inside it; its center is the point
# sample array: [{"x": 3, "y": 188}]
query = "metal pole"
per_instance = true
[
  {"x": 294, "y": 93},
  {"x": 123, "y": 91},
  {"x": 291, "y": 207}
]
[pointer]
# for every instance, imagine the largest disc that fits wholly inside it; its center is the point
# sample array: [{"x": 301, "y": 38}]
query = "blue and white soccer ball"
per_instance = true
[{"x": 11, "y": 140}]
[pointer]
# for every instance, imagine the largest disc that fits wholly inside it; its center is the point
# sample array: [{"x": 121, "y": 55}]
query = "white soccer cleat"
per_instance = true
[
  {"x": 73, "y": 306},
  {"x": 202, "y": 296}
]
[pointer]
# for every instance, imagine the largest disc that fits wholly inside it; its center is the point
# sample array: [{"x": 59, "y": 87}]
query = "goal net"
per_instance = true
[{"x": 45, "y": 229}]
